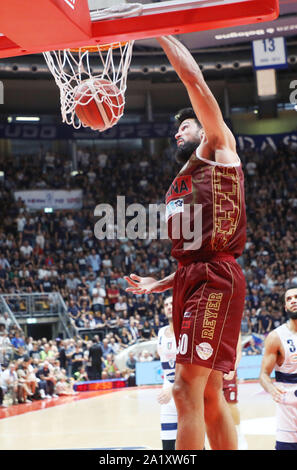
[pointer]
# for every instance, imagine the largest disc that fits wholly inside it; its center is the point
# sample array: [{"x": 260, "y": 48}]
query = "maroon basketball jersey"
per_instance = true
[{"x": 205, "y": 210}]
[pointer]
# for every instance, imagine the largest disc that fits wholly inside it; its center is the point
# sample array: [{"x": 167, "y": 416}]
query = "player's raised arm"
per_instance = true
[{"x": 203, "y": 102}]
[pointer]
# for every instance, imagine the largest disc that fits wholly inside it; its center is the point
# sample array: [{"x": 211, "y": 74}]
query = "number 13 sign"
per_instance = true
[{"x": 269, "y": 53}]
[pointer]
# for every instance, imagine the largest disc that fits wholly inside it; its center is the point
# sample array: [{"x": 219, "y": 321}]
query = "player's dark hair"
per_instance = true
[
  {"x": 185, "y": 113},
  {"x": 166, "y": 296},
  {"x": 290, "y": 287}
]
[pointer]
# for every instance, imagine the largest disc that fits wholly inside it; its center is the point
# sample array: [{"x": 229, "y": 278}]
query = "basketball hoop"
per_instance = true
[{"x": 72, "y": 67}]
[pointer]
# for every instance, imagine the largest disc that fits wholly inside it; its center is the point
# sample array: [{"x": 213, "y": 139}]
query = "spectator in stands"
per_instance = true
[
  {"x": 9, "y": 382},
  {"x": 18, "y": 341},
  {"x": 95, "y": 355},
  {"x": 74, "y": 313},
  {"x": 254, "y": 321},
  {"x": 146, "y": 332},
  {"x": 89, "y": 319},
  {"x": 101, "y": 321},
  {"x": 106, "y": 348},
  {"x": 24, "y": 392},
  {"x": 4, "y": 264},
  {"x": 142, "y": 307},
  {"x": 245, "y": 323},
  {"x": 265, "y": 322},
  {"x": 47, "y": 352},
  {"x": 110, "y": 371},
  {"x": 1, "y": 391},
  {"x": 64, "y": 385},
  {"x": 277, "y": 319},
  {"x": 124, "y": 337},
  {"x": 26, "y": 250},
  {"x": 252, "y": 349},
  {"x": 81, "y": 375},
  {"x": 114, "y": 343},
  {"x": 106, "y": 262},
  {"x": 77, "y": 359},
  {"x": 121, "y": 305},
  {"x": 35, "y": 352},
  {"x": 131, "y": 307},
  {"x": 133, "y": 328},
  {"x": 72, "y": 282},
  {"x": 69, "y": 351},
  {"x": 131, "y": 362},
  {"x": 84, "y": 299},
  {"x": 6, "y": 320},
  {"x": 31, "y": 379},
  {"x": 145, "y": 356},
  {"x": 5, "y": 344},
  {"x": 94, "y": 261},
  {"x": 61, "y": 356},
  {"x": 113, "y": 293},
  {"x": 47, "y": 380},
  {"x": 98, "y": 297}
]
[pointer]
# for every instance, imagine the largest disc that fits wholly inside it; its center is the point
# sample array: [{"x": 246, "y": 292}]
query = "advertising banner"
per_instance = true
[
  {"x": 146, "y": 130},
  {"x": 52, "y": 199}
]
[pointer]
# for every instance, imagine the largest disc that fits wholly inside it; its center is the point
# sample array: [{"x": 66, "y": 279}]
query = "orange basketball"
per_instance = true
[{"x": 100, "y": 103}]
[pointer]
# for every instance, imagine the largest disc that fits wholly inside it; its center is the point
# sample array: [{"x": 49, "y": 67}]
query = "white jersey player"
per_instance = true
[
  {"x": 281, "y": 355},
  {"x": 167, "y": 353}
]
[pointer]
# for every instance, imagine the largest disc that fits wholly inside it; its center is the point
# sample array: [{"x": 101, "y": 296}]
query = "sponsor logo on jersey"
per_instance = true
[
  {"x": 204, "y": 351},
  {"x": 187, "y": 321},
  {"x": 210, "y": 315},
  {"x": 174, "y": 207},
  {"x": 181, "y": 186}
]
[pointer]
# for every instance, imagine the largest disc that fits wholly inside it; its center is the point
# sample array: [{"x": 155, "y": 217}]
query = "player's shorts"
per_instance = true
[
  {"x": 208, "y": 303},
  {"x": 230, "y": 389},
  {"x": 285, "y": 445}
]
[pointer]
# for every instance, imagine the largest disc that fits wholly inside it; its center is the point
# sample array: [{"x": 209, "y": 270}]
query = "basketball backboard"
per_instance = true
[{"x": 29, "y": 27}]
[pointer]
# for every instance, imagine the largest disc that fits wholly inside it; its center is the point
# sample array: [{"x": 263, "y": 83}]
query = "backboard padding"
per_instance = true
[{"x": 59, "y": 24}]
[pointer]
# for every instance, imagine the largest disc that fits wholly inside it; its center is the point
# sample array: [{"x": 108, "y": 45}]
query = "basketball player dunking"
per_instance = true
[{"x": 208, "y": 286}]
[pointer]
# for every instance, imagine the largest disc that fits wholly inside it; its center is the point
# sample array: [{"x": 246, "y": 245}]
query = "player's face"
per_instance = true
[
  {"x": 291, "y": 303},
  {"x": 188, "y": 137},
  {"x": 168, "y": 307}
]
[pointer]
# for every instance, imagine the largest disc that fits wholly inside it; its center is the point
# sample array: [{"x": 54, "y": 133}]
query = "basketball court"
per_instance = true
[{"x": 127, "y": 419}]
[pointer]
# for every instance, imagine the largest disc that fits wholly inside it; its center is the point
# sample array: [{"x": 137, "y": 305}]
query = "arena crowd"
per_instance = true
[{"x": 58, "y": 252}]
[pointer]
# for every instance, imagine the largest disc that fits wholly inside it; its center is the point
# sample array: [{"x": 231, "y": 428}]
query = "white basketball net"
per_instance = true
[{"x": 72, "y": 69}]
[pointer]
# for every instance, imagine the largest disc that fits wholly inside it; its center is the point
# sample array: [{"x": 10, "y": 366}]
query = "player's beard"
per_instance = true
[
  {"x": 184, "y": 151},
  {"x": 292, "y": 315}
]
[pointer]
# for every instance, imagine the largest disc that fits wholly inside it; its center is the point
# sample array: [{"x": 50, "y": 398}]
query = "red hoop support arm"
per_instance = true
[{"x": 55, "y": 24}]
